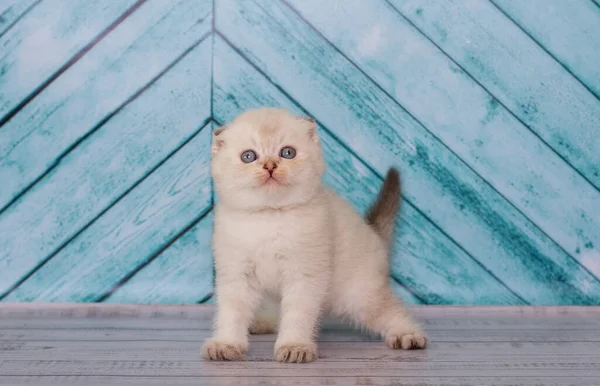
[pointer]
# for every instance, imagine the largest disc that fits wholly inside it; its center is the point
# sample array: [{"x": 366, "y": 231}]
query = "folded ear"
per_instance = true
[
  {"x": 311, "y": 125},
  {"x": 218, "y": 141}
]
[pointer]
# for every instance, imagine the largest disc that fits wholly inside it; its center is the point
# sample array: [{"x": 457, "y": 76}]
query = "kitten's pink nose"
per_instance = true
[{"x": 270, "y": 166}]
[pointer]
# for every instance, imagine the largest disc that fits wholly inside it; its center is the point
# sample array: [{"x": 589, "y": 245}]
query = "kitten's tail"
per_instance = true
[{"x": 382, "y": 214}]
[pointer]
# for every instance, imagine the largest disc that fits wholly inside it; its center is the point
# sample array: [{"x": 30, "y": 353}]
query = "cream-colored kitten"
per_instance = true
[{"x": 284, "y": 242}]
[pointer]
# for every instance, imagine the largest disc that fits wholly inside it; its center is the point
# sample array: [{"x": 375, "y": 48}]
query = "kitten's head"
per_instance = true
[{"x": 267, "y": 158}]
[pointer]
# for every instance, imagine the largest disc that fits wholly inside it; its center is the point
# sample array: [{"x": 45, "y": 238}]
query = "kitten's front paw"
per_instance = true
[
  {"x": 215, "y": 350},
  {"x": 296, "y": 352},
  {"x": 406, "y": 340}
]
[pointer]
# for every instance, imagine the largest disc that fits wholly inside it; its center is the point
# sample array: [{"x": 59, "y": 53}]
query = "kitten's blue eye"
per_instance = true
[
  {"x": 287, "y": 152},
  {"x": 249, "y": 156}
]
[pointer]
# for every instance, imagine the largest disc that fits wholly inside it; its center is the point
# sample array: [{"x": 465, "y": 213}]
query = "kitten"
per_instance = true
[{"x": 284, "y": 242}]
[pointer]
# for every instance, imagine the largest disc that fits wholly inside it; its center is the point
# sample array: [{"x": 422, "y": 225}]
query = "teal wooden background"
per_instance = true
[{"x": 491, "y": 110}]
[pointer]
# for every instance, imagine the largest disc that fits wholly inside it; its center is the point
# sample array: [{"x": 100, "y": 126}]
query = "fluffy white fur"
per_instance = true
[{"x": 287, "y": 249}]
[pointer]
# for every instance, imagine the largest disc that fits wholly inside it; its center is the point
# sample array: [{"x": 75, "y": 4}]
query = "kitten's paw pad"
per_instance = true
[
  {"x": 263, "y": 326},
  {"x": 296, "y": 352},
  {"x": 409, "y": 341},
  {"x": 220, "y": 351}
]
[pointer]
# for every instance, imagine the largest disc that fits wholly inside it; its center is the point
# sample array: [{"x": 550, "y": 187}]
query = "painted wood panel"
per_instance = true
[
  {"x": 141, "y": 344},
  {"x": 481, "y": 380},
  {"x": 530, "y": 175},
  {"x": 12, "y": 10},
  {"x": 54, "y": 31},
  {"x": 518, "y": 72},
  {"x": 183, "y": 273},
  {"x": 297, "y": 59},
  {"x": 351, "y": 352},
  {"x": 570, "y": 32},
  {"x": 105, "y": 167},
  {"x": 130, "y": 58},
  {"x": 132, "y": 231},
  {"x": 489, "y": 109},
  {"x": 423, "y": 254}
]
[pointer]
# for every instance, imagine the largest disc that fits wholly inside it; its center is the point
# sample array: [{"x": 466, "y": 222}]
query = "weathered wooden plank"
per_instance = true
[
  {"x": 297, "y": 59},
  {"x": 331, "y": 352},
  {"x": 102, "y": 168},
  {"x": 183, "y": 273},
  {"x": 294, "y": 379},
  {"x": 492, "y": 367},
  {"x": 12, "y": 10},
  {"x": 45, "y": 39},
  {"x": 130, "y": 232},
  {"x": 490, "y": 139},
  {"x": 204, "y": 322},
  {"x": 518, "y": 73},
  {"x": 95, "y": 87},
  {"x": 423, "y": 254},
  {"x": 121, "y": 333},
  {"x": 157, "y": 312},
  {"x": 570, "y": 31}
]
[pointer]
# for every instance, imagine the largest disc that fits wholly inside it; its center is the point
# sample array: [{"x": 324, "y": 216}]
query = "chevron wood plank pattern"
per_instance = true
[
  {"x": 12, "y": 10},
  {"x": 421, "y": 249},
  {"x": 490, "y": 109},
  {"x": 183, "y": 273},
  {"x": 491, "y": 140},
  {"x": 105, "y": 166},
  {"x": 275, "y": 39},
  {"x": 56, "y": 31},
  {"x": 537, "y": 89},
  {"x": 570, "y": 32},
  {"x": 130, "y": 232},
  {"x": 95, "y": 87}
]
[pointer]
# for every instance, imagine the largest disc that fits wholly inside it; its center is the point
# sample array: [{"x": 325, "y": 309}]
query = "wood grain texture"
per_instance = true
[
  {"x": 297, "y": 59},
  {"x": 519, "y": 368},
  {"x": 569, "y": 31},
  {"x": 101, "y": 169},
  {"x": 197, "y": 325},
  {"x": 12, "y": 10},
  {"x": 518, "y": 73},
  {"x": 47, "y": 38},
  {"x": 130, "y": 232},
  {"x": 156, "y": 313},
  {"x": 95, "y": 87},
  {"x": 329, "y": 352},
  {"x": 123, "y": 332},
  {"x": 413, "y": 365},
  {"x": 491, "y": 140},
  {"x": 138, "y": 345},
  {"x": 183, "y": 273},
  {"x": 423, "y": 254},
  {"x": 300, "y": 380}
]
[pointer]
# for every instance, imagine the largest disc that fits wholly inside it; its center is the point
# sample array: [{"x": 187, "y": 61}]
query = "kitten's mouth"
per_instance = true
[{"x": 271, "y": 181}]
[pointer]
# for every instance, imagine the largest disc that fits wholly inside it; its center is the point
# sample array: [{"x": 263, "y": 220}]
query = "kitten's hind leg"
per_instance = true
[
  {"x": 380, "y": 311},
  {"x": 266, "y": 319}
]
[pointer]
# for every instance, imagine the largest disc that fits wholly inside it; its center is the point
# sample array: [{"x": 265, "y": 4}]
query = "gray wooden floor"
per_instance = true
[{"x": 160, "y": 345}]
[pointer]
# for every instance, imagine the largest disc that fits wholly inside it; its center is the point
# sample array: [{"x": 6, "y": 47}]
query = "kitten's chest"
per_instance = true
[
  {"x": 267, "y": 240},
  {"x": 266, "y": 250},
  {"x": 264, "y": 234}
]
